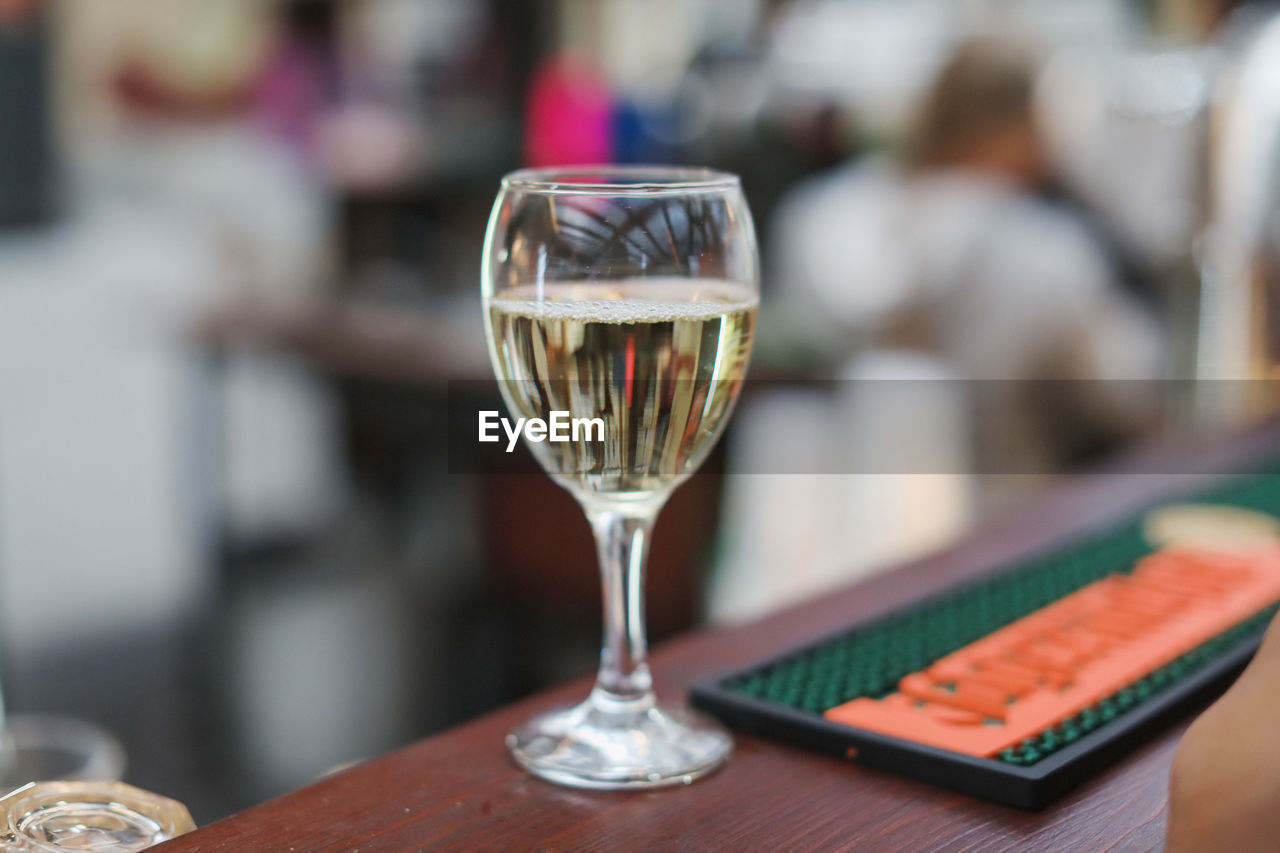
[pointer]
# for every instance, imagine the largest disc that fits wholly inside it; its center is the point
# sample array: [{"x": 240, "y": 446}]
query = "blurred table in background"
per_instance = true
[{"x": 359, "y": 338}]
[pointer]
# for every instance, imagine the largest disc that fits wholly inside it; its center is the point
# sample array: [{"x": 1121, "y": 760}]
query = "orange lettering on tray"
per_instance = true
[{"x": 1053, "y": 663}]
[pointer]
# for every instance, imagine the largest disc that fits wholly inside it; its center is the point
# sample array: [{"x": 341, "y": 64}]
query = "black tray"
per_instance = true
[{"x": 1025, "y": 785}]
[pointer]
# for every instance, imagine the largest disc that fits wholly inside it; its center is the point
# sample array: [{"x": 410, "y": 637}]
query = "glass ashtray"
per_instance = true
[{"x": 91, "y": 817}]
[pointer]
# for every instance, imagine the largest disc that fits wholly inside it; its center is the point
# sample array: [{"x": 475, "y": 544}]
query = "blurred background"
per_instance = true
[{"x": 239, "y": 248}]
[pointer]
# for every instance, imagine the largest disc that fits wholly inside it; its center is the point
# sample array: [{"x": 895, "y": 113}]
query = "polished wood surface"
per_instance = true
[{"x": 458, "y": 791}]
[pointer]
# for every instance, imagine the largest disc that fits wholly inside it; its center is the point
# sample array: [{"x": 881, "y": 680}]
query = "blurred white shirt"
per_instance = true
[
  {"x": 993, "y": 282},
  {"x": 1007, "y": 286}
]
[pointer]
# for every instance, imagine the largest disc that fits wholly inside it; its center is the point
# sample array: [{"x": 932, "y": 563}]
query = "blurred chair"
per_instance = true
[{"x": 102, "y": 531}]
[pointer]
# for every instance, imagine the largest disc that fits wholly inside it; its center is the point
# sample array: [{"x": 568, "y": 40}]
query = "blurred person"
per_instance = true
[
  {"x": 570, "y": 114},
  {"x": 950, "y": 251},
  {"x": 945, "y": 271}
]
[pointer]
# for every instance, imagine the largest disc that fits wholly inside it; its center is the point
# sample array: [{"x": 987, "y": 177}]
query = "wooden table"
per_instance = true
[{"x": 458, "y": 791}]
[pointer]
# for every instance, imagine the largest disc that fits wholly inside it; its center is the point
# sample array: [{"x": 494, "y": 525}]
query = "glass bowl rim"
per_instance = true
[{"x": 608, "y": 179}]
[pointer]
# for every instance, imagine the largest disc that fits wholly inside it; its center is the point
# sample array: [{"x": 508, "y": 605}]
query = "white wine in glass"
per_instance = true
[
  {"x": 663, "y": 411},
  {"x": 624, "y": 296}
]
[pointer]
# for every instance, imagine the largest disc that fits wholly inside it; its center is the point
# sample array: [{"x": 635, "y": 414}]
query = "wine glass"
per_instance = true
[{"x": 623, "y": 298}]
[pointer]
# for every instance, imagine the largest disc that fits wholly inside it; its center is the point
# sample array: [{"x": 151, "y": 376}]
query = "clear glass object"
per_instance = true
[
  {"x": 624, "y": 298},
  {"x": 45, "y": 746},
  {"x": 102, "y": 817}
]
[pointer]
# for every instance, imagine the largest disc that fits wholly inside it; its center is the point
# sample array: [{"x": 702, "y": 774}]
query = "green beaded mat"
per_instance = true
[{"x": 870, "y": 660}]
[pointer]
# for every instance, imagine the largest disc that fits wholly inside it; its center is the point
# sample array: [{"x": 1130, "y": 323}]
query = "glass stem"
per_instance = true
[{"x": 623, "y": 684}]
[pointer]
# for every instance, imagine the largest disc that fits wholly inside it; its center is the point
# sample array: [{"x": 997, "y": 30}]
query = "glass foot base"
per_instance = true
[{"x": 650, "y": 747}]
